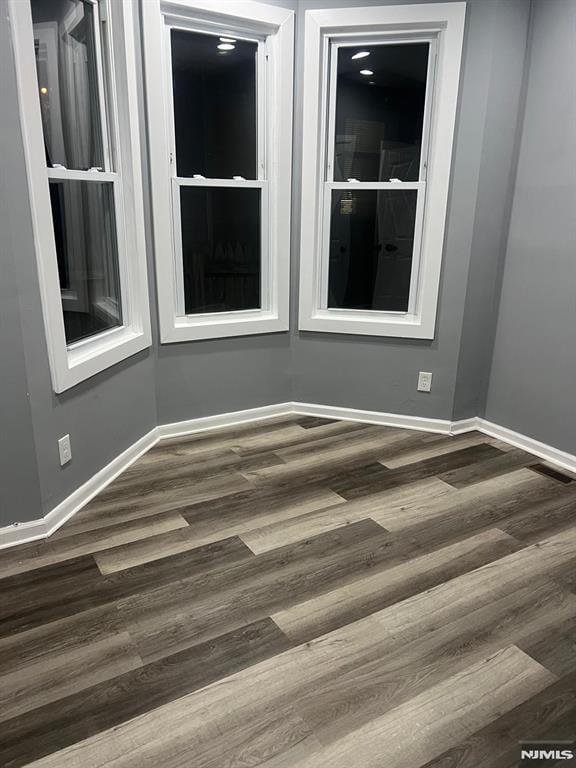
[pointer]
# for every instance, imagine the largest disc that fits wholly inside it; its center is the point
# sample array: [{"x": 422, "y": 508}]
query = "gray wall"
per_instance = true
[
  {"x": 19, "y": 485},
  {"x": 534, "y": 365},
  {"x": 507, "y": 39},
  {"x": 381, "y": 374}
]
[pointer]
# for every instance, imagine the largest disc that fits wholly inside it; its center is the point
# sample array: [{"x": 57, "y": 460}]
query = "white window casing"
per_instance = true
[
  {"x": 273, "y": 29},
  {"x": 72, "y": 363},
  {"x": 441, "y": 25}
]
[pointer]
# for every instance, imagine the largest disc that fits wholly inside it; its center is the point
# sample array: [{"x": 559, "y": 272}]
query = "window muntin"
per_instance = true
[
  {"x": 218, "y": 101},
  {"x": 378, "y": 114}
]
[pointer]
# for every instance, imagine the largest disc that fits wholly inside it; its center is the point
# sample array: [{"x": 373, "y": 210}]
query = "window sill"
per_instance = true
[
  {"x": 392, "y": 324},
  {"x": 93, "y": 356},
  {"x": 225, "y": 325}
]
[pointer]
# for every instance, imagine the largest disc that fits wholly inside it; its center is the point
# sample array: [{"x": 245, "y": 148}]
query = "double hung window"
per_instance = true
[
  {"x": 76, "y": 78},
  {"x": 378, "y": 123},
  {"x": 219, "y": 99}
]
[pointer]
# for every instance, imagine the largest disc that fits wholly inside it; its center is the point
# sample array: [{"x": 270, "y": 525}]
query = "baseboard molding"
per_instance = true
[
  {"x": 374, "y": 417},
  {"x": 543, "y": 450},
  {"x": 22, "y": 533},
  {"x": 223, "y": 420}
]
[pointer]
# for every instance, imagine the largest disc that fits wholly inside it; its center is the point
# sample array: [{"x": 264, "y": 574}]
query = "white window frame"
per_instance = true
[
  {"x": 441, "y": 24},
  {"x": 71, "y": 364},
  {"x": 274, "y": 29}
]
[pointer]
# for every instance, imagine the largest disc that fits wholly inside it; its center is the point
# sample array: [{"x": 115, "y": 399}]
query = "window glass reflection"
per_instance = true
[
  {"x": 380, "y": 112},
  {"x": 65, "y": 46},
  {"x": 371, "y": 244},
  {"x": 214, "y": 86},
  {"x": 87, "y": 253},
  {"x": 221, "y": 248}
]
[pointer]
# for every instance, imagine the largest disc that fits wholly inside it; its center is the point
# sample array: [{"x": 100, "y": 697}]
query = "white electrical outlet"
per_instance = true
[
  {"x": 64, "y": 450},
  {"x": 424, "y": 381}
]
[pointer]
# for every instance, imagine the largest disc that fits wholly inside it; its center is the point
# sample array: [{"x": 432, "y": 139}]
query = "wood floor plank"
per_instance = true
[
  {"x": 351, "y": 602},
  {"x": 56, "y": 591},
  {"x": 268, "y": 536},
  {"x": 298, "y": 436},
  {"x": 223, "y": 437},
  {"x": 108, "y": 704},
  {"x": 509, "y": 573},
  {"x": 497, "y": 744},
  {"x": 194, "y": 610},
  {"x": 404, "y": 667},
  {"x": 440, "y": 717},
  {"x": 376, "y": 478},
  {"x": 439, "y": 447},
  {"x": 395, "y": 514},
  {"x": 323, "y": 461},
  {"x": 193, "y": 467},
  {"x": 222, "y": 518},
  {"x": 57, "y": 675},
  {"x": 116, "y": 507},
  {"x": 483, "y": 470},
  {"x": 472, "y": 514},
  {"x": 558, "y": 656},
  {"x": 57, "y": 549}
]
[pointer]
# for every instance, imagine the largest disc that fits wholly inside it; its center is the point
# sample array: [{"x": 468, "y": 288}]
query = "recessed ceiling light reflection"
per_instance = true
[
  {"x": 227, "y": 40},
  {"x": 226, "y": 47},
  {"x": 361, "y": 55},
  {"x": 366, "y": 72}
]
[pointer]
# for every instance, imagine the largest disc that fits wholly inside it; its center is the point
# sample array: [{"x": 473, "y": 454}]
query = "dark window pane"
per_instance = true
[
  {"x": 379, "y": 116},
  {"x": 220, "y": 249},
  {"x": 86, "y": 248},
  {"x": 371, "y": 241},
  {"x": 67, "y": 82},
  {"x": 214, "y": 106}
]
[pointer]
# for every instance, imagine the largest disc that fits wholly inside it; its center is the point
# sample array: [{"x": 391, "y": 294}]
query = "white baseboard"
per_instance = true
[
  {"x": 373, "y": 417},
  {"x": 223, "y": 420},
  {"x": 543, "y": 450},
  {"x": 21, "y": 533}
]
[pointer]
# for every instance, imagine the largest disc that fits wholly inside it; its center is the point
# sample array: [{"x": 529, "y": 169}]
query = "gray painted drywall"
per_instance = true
[
  {"x": 534, "y": 364},
  {"x": 378, "y": 373},
  {"x": 19, "y": 485},
  {"x": 508, "y": 39}
]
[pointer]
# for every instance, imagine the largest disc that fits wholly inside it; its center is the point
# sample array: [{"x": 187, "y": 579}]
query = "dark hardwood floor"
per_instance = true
[{"x": 298, "y": 592}]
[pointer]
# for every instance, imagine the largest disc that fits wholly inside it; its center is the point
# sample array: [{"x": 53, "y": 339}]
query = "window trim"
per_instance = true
[
  {"x": 419, "y": 22},
  {"x": 249, "y": 20},
  {"x": 74, "y": 363}
]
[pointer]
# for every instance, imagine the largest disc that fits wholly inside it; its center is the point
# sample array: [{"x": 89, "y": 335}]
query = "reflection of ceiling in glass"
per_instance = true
[
  {"x": 401, "y": 65},
  {"x": 190, "y": 49}
]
